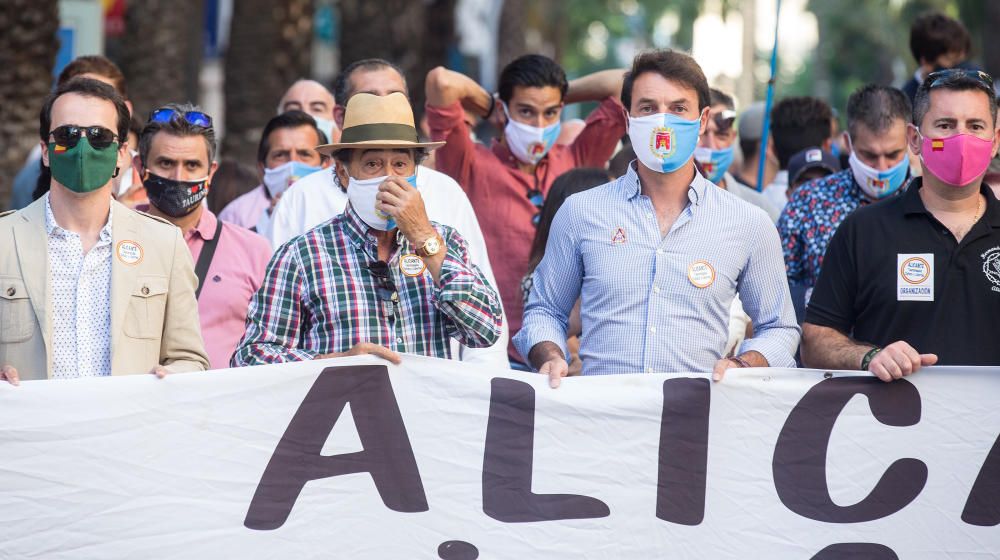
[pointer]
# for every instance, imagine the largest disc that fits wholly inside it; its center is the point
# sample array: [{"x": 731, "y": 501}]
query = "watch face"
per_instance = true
[{"x": 432, "y": 246}]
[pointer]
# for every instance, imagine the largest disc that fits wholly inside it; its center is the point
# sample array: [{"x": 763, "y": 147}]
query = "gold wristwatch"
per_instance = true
[{"x": 431, "y": 247}]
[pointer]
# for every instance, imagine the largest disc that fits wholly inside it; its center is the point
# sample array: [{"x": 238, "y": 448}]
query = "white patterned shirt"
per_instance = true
[{"x": 80, "y": 288}]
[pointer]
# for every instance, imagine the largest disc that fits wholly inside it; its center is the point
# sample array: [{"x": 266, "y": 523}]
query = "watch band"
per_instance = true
[{"x": 867, "y": 360}]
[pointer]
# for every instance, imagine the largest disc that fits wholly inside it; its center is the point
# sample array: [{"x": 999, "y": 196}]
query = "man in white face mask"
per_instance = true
[
  {"x": 657, "y": 256},
  {"x": 876, "y": 136},
  {"x": 312, "y": 97},
  {"x": 407, "y": 282},
  {"x": 287, "y": 153},
  {"x": 316, "y": 198},
  {"x": 507, "y": 182}
]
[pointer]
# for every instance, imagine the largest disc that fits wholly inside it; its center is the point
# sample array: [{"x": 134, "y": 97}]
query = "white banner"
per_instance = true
[{"x": 352, "y": 458}]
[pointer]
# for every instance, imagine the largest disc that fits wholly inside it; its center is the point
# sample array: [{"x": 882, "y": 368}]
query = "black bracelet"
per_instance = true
[
  {"x": 867, "y": 360},
  {"x": 740, "y": 361},
  {"x": 493, "y": 106}
]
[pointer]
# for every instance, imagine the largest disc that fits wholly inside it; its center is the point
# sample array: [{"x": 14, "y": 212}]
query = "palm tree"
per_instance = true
[
  {"x": 28, "y": 46},
  {"x": 415, "y": 36},
  {"x": 270, "y": 44},
  {"x": 162, "y": 56}
]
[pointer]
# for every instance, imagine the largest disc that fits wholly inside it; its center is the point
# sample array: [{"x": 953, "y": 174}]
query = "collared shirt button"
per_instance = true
[
  {"x": 659, "y": 251},
  {"x": 399, "y": 340},
  {"x": 656, "y": 289},
  {"x": 649, "y": 370},
  {"x": 652, "y": 329},
  {"x": 11, "y": 291},
  {"x": 145, "y": 290}
]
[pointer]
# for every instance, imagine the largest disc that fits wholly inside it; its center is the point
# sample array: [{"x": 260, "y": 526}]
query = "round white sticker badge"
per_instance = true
[
  {"x": 412, "y": 265},
  {"x": 701, "y": 274},
  {"x": 129, "y": 252},
  {"x": 915, "y": 270}
]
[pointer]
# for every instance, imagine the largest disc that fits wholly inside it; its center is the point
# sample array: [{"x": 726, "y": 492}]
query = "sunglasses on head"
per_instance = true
[
  {"x": 166, "y": 114},
  {"x": 942, "y": 77},
  {"x": 69, "y": 136}
]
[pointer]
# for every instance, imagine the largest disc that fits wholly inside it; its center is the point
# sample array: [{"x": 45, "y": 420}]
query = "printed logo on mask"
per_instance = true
[
  {"x": 536, "y": 150},
  {"x": 662, "y": 142}
]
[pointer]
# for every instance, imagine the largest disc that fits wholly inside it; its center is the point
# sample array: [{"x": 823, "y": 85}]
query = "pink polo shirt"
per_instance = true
[
  {"x": 236, "y": 272},
  {"x": 246, "y": 209}
]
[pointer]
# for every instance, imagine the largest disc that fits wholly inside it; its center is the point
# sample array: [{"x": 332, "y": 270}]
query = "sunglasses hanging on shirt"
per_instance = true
[
  {"x": 385, "y": 289},
  {"x": 536, "y": 197}
]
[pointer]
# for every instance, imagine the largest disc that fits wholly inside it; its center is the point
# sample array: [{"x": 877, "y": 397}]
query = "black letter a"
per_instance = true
[{"x": 387, "y": 454}]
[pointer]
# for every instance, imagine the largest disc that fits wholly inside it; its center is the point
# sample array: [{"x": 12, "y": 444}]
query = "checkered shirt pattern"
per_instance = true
[{"x": 319, "y": 297}]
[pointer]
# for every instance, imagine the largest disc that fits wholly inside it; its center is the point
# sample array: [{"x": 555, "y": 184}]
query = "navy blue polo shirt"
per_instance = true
[{"x": 894, "y": 272}]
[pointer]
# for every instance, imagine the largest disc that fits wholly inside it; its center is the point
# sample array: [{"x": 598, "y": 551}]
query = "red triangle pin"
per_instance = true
[{"x": 619, "y": 237}]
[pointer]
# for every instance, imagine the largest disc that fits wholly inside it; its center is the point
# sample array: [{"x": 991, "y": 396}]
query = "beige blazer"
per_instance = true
[{"x": 154, "y": 313}]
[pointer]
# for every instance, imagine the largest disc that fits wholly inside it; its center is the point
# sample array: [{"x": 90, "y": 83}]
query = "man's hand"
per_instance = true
[
  {"x": 366, "y": 348},
  {"x": 898, "y": 360},
  {"x": 719, "y": 371},
  {"x": 397, "y": 198},
  {"x": 9, "y": 374},
  {"x": 159, "y": 371},
  {"x": 556, "y": 369}
]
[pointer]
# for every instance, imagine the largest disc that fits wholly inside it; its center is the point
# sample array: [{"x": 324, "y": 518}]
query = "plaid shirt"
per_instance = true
[{"x": 320, "y": 297}]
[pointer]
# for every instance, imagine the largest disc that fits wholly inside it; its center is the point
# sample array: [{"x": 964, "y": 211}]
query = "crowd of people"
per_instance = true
[{"x": 667, "y": 232}]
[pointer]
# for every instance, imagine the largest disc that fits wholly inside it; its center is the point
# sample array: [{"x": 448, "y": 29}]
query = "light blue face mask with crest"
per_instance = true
[{"x": 663, "y": 142}]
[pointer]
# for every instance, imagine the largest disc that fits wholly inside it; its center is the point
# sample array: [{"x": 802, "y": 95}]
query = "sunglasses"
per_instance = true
[
  {"x": 724, "y": 119},
  {"x": 385, "y": 289},
  {"x": 69, "y": 136},
  {"x": 536, "y": 197},
  {"x": 166, "y": 114},
  {"x": 942, "y": 77}
]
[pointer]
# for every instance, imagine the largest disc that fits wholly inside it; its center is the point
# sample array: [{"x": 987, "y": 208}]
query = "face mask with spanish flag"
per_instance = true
[
  {"x": 956, "y": 160},
  {"x": 82, "y": 168}
]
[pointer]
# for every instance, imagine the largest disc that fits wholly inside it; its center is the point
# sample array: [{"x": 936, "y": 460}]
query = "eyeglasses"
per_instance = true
[
  {"x": 942, "y": 77},
  {"x": 166, "y": 114},
  {"x": 386, "y": 289},
  {"x": 536, "y": 197},
  {"x": 69, "y": 136}
]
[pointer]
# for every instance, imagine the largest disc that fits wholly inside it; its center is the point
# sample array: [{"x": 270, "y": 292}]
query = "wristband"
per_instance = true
[
  {"x": 867, "y": 360},
  {"x": 493, "y": 106},
  {"x": 740, "y": 361}
]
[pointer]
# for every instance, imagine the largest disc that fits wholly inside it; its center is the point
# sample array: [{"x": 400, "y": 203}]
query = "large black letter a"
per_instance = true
[{"x": 387, "y": 454}]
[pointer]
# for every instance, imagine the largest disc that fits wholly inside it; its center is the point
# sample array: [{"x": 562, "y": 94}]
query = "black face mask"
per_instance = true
[{"x": 174, "y": 198}]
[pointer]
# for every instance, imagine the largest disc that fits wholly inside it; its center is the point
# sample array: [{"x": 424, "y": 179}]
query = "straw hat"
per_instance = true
[{"x": 378, "y": 122}]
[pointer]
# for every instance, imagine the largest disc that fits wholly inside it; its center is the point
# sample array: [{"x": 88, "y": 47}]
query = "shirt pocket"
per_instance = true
[
  {"x": 17, "y": 318},
  {"x": 146, "y": 308}
]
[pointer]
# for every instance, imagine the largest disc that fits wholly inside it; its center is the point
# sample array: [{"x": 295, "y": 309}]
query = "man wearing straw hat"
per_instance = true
[{"x": 380, "y": 278}]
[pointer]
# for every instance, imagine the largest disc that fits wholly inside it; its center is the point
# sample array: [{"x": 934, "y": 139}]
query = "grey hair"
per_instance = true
[{"x": 176, "y": 127}]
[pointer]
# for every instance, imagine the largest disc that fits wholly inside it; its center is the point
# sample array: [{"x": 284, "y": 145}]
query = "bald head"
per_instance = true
[{"x": 310, "y": 97}]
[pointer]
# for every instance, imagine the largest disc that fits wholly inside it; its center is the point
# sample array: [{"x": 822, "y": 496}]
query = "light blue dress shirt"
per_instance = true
[{"x": 641, "y": 304}]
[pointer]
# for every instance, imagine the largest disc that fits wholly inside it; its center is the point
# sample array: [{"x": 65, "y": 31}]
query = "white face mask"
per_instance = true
[
  {"x": 125, "y": 175},
  {"x": 361, "y": 193},
  {"x": 879, "y": 184},
  {"x": 326, "y": 125},
  {"x": 278, "y": 179},
  {"x": 529, "y": 144}
]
